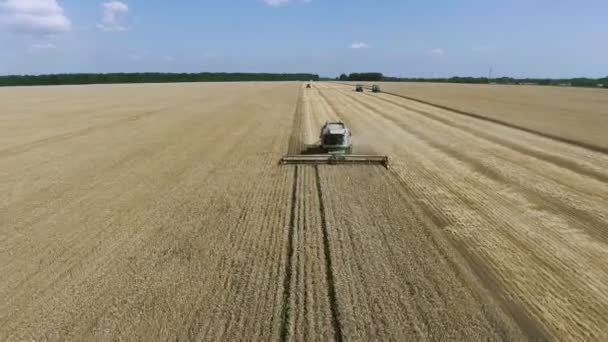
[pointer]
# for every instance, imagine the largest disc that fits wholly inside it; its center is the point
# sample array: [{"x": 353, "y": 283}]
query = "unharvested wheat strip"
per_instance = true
[
  {"x": 217, "y": 296},
  {"x": 267, "y": 257},
  {"x": 93, "y": 177},
  {"x": 155, "y": 276},
  {"x": 54, "y": 157},
  {"x": 447, "y": 182},
  {"x": 87, "y": 237},
  {"x": 271, "y": 265},
  {"x": 269, "y": 284},
  {"x": 274, "y": 288},
  {"x": 247, "y": 269},
  {"x": 80, "y": 248},
  {"x": 57, "y": 121},
  {"x": 281, "y": 231}
]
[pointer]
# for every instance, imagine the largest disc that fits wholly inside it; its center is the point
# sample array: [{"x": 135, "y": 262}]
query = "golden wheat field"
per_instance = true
[{"x": 157, "y": 212}]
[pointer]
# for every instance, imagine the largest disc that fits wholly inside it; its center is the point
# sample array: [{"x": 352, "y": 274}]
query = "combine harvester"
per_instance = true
[{"x": 335, "y": 148}]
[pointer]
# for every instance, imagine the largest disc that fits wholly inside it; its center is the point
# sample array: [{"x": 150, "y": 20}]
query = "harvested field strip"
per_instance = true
[
  {"x": 573, "y": 113},
  {"x": 550, "y": 244},
  {"x": 579, "y": 206},
  {"x": 562, "y": 155},
  {"x": 557, "y": 138},
  {"x": 393, "y": 280},
  {"x": 576, "y": 196},
  {"x": 557, "y": 191}
]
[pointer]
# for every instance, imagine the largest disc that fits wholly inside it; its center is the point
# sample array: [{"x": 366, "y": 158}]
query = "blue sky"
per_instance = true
[{"x": 521, "y": 38}]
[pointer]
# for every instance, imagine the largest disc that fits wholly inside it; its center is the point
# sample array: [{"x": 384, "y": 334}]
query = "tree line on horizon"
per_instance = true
[
  {"x": 573, "y": 82},
  {"x": 148, "y": 77}
]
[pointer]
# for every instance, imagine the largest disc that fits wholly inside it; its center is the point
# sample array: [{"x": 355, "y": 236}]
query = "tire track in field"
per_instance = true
[
  {"x": 287, "y": 280},
  {"x": 329, "y": 273}
]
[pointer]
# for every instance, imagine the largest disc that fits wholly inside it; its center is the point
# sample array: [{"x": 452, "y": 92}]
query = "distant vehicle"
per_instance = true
[
  {"x": 359, "y": 88},
  {"x": 376, "y": 88}
]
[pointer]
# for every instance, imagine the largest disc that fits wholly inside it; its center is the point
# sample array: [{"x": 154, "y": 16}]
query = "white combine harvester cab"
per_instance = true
[{"x": 336, "y": 138}]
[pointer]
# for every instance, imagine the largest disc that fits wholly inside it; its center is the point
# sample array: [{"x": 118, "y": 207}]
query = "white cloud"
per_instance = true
[
  {"x": 436, "y": 52},
  {"x": 359, "y": 45},
  {"x": 112, "y": 13},
  {"x": 33, "y": 17},
  {"x": 276, "y": 2},
  {"x": 136, "y": 58},
  {"x": 42, "y": 46},
  {"x": 283, "y": 2},
  {"x": 482, "y": 49},
  {"x": 169, "y": 59}
]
